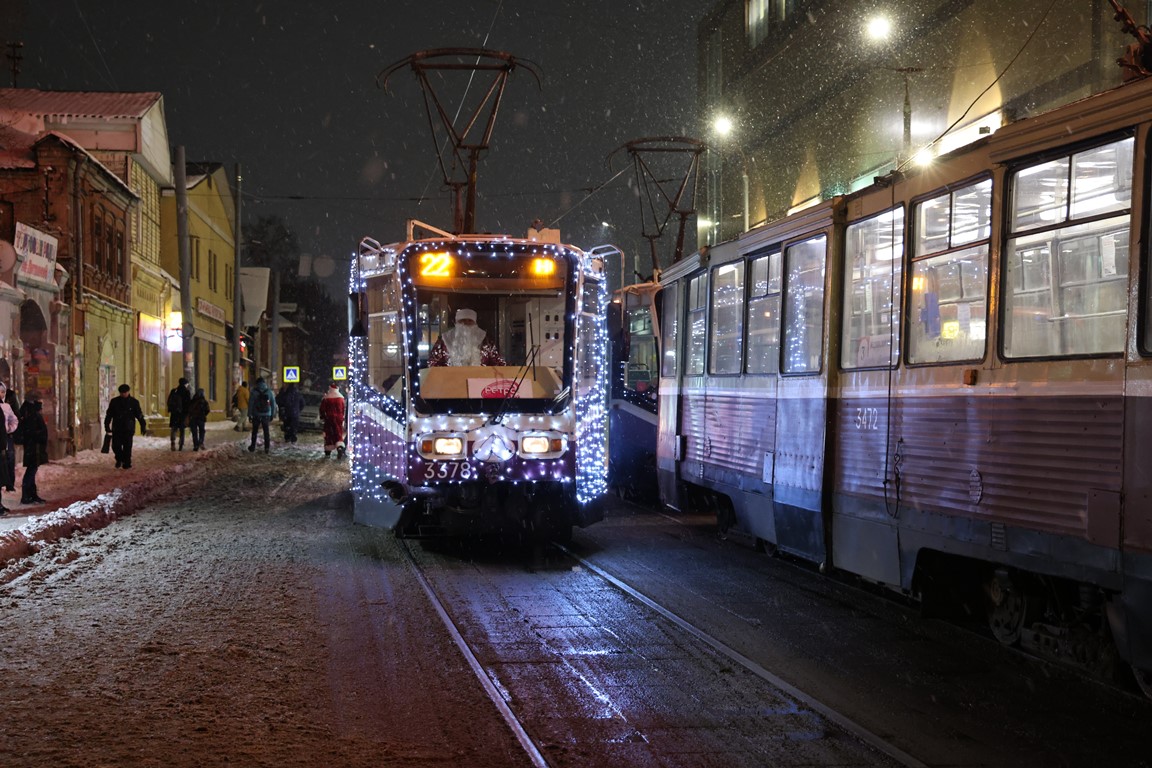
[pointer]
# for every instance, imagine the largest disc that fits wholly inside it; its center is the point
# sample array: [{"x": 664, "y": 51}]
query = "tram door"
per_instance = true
[{"x": 797, "y": 468}]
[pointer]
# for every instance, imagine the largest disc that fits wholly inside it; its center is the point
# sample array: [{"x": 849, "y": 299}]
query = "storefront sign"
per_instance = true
[
  {"x": 210, "y": 310},
  {"x": 37, "y": 254}
]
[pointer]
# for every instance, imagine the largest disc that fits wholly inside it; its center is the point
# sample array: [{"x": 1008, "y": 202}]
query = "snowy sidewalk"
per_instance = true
[{"x": 86, "y": 491}]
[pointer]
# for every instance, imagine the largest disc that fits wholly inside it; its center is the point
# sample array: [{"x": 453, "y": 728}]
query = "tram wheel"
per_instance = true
[{"x": 1006, "y": 617}]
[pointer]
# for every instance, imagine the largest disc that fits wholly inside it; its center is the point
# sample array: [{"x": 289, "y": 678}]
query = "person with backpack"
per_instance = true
[
  {"x": 178, "y": 400},
  {"x": 261, "y": 411},
  {"x": 290, "y": 401}
]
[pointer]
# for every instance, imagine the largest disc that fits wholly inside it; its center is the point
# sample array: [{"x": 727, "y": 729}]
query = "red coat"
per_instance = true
[{"x": 332, "y": 412}]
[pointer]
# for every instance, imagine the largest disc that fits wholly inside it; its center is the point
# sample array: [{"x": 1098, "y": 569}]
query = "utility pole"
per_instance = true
[
  {"x": 185, "y": 250},
  {"x": 237, "y": 298}
]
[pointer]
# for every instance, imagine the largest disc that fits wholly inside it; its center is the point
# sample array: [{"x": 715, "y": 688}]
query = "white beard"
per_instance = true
[{"x": 463, "y": 343}]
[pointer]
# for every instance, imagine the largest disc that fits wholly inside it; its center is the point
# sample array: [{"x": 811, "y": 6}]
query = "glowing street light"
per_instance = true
[
  {"x": 878, "y": 28},
  {"x": 723, "y": 127}
]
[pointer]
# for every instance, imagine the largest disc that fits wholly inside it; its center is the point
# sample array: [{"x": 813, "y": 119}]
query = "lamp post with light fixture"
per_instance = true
[{"x": 723, "y": 127}]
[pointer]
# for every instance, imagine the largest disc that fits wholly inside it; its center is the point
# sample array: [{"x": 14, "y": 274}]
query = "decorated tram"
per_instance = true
[{"x": 511, "y": 440}]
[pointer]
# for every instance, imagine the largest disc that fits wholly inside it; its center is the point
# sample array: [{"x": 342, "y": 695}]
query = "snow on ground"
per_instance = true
[{"x": 87, "y": 491}]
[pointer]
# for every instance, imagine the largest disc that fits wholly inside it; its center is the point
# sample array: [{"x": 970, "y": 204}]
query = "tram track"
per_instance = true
[{"x": 500, "y": 694}]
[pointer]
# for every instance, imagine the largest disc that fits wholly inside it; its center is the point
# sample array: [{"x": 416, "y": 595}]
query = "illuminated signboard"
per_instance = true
[
  {"x": 339, "y": 373},
  {"x": 291, "y": 374}
]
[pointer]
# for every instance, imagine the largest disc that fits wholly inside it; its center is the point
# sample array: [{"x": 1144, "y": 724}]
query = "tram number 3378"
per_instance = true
[
  {"x": 449, "y": 470},
  {"x": 867, "y": 418}
]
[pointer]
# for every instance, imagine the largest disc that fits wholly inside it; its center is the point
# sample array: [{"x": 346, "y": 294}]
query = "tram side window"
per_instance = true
[
  {"x": 1066, "y": 264},
  {"x": 949, "y": 301},
  {"x": 589, "y": 322},
  {"x": 873, "y": 270},
  {"x": 641, "y": 371},
  {"x": 385, "y": 353},
  {"x": 804, "y": 264},
  {"x": 670, "y": 331},
  {"x": 697, "y": 324},
  {"x": 764, "y": 278},
  {"x": 726, "y": 344}
]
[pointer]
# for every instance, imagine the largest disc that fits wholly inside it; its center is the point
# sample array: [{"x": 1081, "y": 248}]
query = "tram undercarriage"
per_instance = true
[{"x": 539, "y": 511}]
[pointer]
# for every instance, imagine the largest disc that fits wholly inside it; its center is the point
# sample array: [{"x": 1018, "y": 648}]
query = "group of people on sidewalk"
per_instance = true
[
  {"x": 258, "y": 406},
  {"x": 24, "y": 425}
]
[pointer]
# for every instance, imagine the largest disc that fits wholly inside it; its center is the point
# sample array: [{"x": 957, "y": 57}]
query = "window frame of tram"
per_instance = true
[
  {"x": 385, "y": 324},
  {"x": 696, "y": 325},
  {"x": 762, "y": 321},
  {"x": 947, "y": 312},
  {"x": 1068, "y": 250},
  {"x": 726, "y": 321},
  {"x": 870, "y": 321},
  {"x": 670, "y": 331},
  {"x": 804, "y": 266}
]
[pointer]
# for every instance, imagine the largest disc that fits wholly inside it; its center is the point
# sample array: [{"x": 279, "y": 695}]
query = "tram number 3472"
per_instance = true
[{"x": 867, "y": 418}]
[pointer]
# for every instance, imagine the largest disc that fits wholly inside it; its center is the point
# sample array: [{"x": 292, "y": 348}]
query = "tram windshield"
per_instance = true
[{"x": 489, "y": 324}]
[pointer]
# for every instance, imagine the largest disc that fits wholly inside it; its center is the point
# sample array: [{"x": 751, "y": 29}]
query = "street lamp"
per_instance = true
[{"x": 723, "y": 126}]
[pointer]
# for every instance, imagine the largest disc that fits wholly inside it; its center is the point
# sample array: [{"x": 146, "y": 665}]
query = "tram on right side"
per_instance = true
[{"x": 942, "y": 383}]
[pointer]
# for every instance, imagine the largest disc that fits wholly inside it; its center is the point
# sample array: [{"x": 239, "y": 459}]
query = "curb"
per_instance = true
[{"x": 93, "y": 514}]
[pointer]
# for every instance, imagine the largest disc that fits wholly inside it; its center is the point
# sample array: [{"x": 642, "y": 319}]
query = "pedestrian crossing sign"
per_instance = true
[
  {"x": 291, "y": 374},
  {"x": 339, "y": 373}
]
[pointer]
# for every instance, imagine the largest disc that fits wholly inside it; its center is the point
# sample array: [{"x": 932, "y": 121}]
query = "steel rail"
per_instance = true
[
  {"x": 847, "y": 724},
  {"x": 506, "y": 712}
]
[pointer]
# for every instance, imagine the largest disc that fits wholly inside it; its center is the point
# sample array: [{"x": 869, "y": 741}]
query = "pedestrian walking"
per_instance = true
[
  {"x": 198, "y": 408},
  {"x": 34, "y": 436},
  {"x": 178, "y": 400},
  {"x": 240, "y": 407},
  {"x": 7, "y": 472},
  {"x": 290, "y": 401},
  {"x": 120, "y": 420},
  {"x": 261, "y": 411},
  {"x": 332, "y": 413},
  {"x": 9, "y": 454}
]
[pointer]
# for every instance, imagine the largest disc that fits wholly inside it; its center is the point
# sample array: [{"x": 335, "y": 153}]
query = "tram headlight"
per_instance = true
[
  {"x": 448, "y": 446},
  {"x": 536, "y": 444},
  {"x": 441, "y": 446},
  {"x": 542, "y": 445}
]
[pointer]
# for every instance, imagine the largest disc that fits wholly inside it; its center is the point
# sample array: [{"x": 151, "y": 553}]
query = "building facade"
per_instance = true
[
  {"x": 114, "y": 309},
  {"x": 63, "y": 278},
  {"x": 211, "y": 278},
  {"x": 822, "y": 97}
]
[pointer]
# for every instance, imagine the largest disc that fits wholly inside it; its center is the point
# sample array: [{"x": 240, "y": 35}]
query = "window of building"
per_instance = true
[
  {"x": 804, "y": 304},
  {"x": 670, "y": 331},
  {"x": 948, "y": 305},
  {"x": 697, "y": 324},
  {"x": 873, "y": 272},
  {"x": 98, "y": 239},
  {"x": 726, "y": 340},
  {"x": 763, "y": 322},
  {"x": 1066, "y": 261}
]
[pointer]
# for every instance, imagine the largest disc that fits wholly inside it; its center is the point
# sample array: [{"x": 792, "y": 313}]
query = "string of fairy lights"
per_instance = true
[{"x": 383, "y": 436}]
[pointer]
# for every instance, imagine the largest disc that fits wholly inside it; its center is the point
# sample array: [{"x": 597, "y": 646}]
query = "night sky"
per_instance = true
[{"x": 288, "y": 90}]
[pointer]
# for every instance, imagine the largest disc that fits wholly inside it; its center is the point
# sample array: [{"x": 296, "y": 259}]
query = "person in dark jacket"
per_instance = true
[
  {"x": 120, "y": 419},
  {"x": 198, "y": 408},
  {"x": 261, "y": 411},
  {"x": 178, "y": 400},
  {"x": 34, "y": 436},
  {"x": 290, "y": 401},
  {"x": 9, "y": 397}
]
